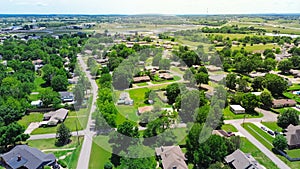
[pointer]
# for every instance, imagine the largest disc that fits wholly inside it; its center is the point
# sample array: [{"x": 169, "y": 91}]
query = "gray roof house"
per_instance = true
[
  {"x": 240, "y": 160},
  {"x": 125, "y": 99},
  {"x": 23, "y": 156},
  {"x": 54, "y": 117},
  {"x": 66, "y": 96},
  {"x": 171, "y": 157},
  {"x": 293, "y": 136}
]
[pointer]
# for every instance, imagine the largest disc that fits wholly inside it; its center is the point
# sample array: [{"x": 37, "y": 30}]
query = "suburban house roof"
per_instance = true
[
  {"x": 56, "y": 116},
  {"x": 284, "y": 102},
  {"x": 171, "y": 157},
  {"x": 145, "y": 109},
  {"x": 166, "y": 76},
  {"x": 28, "y": 157},
  {"x": 66, "y": 96},
  {"x": 237, "y": 107},
  {"x": 240, "y": 160},
  {"x": 293, "y": 135},
  {"x": 141, "y": 79}
]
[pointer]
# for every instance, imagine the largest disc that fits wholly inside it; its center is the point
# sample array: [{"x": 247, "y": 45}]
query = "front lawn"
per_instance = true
[
  {"x": 70, "y": 122},
  {"x": 32, "y": 117},
  {"x": 229, "y": 115},
  {"x": 229, "y": 127},
  {"x": 292, "y": 96},
  {"x": 71, "y": 151},
  {"x": 138, "y": 96},
  {"x": 128, "y": 112},
  {"x": 101, "y": 152},
  {"x": 273, "y": 126},
  {"x": 262, "y": 136},
  {"x": 248, "y": 147}
]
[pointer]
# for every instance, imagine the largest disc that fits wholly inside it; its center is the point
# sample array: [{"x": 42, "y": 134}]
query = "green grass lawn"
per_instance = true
[
  {"x": 228, "y": 115},
  {"x": 70, "y": 122},
  {"x": 138, "y": 96},
  {"x": 259, "y": 134},
  {"x": 292, "y": 96},
  {"x": 294, "y": 153},
  {"x": 71, "y": 155},
  {"x": 101, "y": 152},
  {"x": 281, "y": 110},
  {"x": 250, "y": 48},
  {"x": 229, "y": 127},
  {"x": 32, "y": 117},
  {"x": 273, "y": 126},
  {"x": 248, "y": 147},
  {"x": 294, "y": 87},
  {"x": 142, "y": 84},
  {"x": 266, "y": 140},
  {"x": 232, "y": 36},
  {"x": 128, "y": 112}
]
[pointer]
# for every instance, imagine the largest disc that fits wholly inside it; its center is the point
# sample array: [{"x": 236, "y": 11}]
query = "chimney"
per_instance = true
[{"x": 19, "y": 158}]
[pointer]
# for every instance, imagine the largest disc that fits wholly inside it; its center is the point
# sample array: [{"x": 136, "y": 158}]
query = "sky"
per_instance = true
[{"x": 148, "y": 6}]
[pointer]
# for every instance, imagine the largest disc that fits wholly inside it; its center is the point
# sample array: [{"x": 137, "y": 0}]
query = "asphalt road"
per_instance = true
[{"x": 84, "y": 157}]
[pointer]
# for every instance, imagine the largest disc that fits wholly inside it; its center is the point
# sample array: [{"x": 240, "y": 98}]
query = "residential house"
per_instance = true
[
  {"x": 66, "y": 96},
  {"x": 279, "y": 103},
  {"x": 171, "y": 157},
  {"x": 144, "y": 109},
  {"x": 125, "y": 99},
  {"x": 237, "y": 109},
  {"x": 222, "y": 133},
  {"x": 25, "y": 157},
  {"x": 54, "y": 117},
  {"x": 166, "y": 76},
  {"x": 141, "y": 79},
  {"x": 37, "y": 103},
  {"x": 213, "y": 68},
  {"x": 293, "y": 136},
  {"x": 216, "y": 78},
  {"x": 240, "y": 160}
]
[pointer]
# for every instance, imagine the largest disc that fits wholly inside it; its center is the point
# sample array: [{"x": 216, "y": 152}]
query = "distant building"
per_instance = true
[
  {"x": 66, "y": 96},
  {"x": 25, "y": 157},
  {"x": 125, "y": 99},
  {"x": 141, "y": 79},
  {"x": 144, "y": 109},
  {"x": 293, "y": 136},
  {"x": 240, "y": 160},
  {"x": 237, "y": 109},
  {"x": 257, "y": 74},
  {"x": 37, "y": 103},
  {"x": 213, "y": 68},
  {"x": 222, "y": 133},
  {"x": 216, "y": 78},
  {"x": 171, "y": 157},
  {"x": 54, "y": 117},
  {"x": 283, "y": 103},
  {"x": 166, "y": 76}
]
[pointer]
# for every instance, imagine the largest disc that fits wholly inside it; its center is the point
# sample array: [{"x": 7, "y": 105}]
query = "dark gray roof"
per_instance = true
[
  {"x": 30, "y": 158},
  {"x": 293, "y": 135}
]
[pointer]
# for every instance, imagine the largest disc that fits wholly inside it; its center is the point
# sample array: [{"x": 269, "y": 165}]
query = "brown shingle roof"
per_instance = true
[{"x": 171, "y": 157}]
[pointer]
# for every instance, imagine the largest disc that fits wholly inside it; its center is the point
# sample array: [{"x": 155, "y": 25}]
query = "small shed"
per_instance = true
[{"x": 237, "y": 109}]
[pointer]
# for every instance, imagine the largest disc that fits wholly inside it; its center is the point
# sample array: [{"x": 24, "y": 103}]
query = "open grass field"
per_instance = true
[
  {"x": 138, "y": 96},
  {"x": 229, "y": 127},
  {"x": 281, "y": 110},
  {"x": 294, "y": 87},
  {"x": 32, "y": 117},
  {"x": 273, "y": 126},
  {"x": 248, "y": 147},
  {"x": 232, "y": 36},
  {"x": 228, "y": 115},
  {"x": 101, "y": 152},
  {"x": 255, "y": 47},
  {"x": 128, "y": 112}
]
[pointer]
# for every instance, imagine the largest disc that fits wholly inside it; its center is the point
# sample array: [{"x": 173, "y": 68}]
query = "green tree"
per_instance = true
[
  {"x": 138, "y": 151},
  {"x": 173, "y": 90},
  {"x": 11, "y": 134},
  {"x": 201, "y": 78},
  {"x": 50, "y": 97},
  {"x": 48, "y": 73},
  {"x": 231, "y": 81},
  {"x": 275, "y": 84},
  {"x": 164, "y": 64},
  {"x": 266, "y": 98},
  {"x": 242, "y": 85},
  {"x": 156, "y": 60},
  {"x": 249, "y": 102},
  {"x": 289, "y": 116},
  {"x": 257, "y": 83},
  {"x": 285, "y": 65},
  {"x": 59, "y": 83},
  {"x": 280, "y": 142},
  {"x": 63, "y": 135}
]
